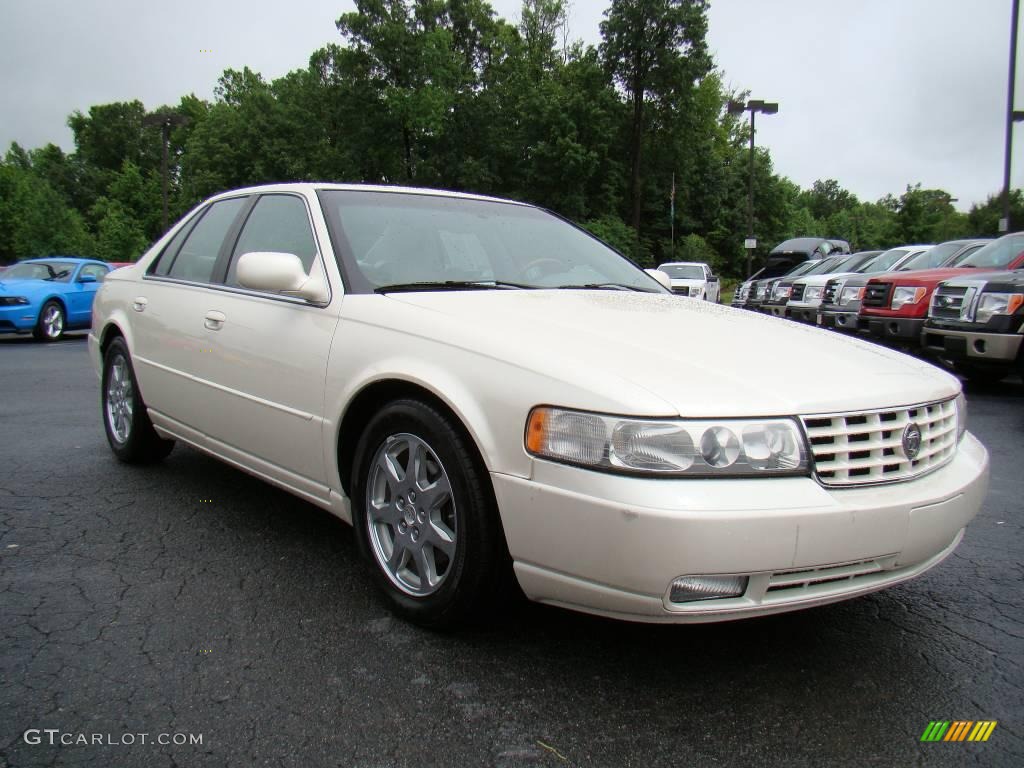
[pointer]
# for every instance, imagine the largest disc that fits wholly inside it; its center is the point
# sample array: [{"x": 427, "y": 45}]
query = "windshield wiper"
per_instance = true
[
  {"x": 603, "y": 287},
  {"x": 451, "y": 285}
]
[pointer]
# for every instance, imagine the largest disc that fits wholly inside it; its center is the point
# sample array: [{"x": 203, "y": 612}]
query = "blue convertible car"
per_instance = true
[{"x": 49, "y": 296}]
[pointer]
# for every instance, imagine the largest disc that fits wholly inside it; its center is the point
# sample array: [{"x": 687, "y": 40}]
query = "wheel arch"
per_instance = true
[{"x": 367, "y": 402}]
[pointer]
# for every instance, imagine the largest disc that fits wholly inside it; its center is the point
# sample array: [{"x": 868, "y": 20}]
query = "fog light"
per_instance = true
[{"x": 688, "y": 589}]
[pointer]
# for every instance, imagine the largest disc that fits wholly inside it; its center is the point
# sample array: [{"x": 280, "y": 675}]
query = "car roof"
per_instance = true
[
  {"x": 312, "y": 187},
  {"x": 684, "y": 264}
]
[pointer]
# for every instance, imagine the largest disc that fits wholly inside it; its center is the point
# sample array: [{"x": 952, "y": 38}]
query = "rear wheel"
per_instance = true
[
  {"x": 425, "y": 516},
  {"x": 50, "y": 325},
  {"x": 129, "y": 430}
]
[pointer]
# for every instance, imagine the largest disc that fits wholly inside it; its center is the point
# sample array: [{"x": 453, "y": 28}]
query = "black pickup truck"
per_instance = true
[{"x": 977, "y": 323}]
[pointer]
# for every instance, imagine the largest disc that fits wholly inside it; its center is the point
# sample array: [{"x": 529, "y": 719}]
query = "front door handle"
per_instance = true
[
  {"x": 139, "y": 305},
  {"x": 214, "y": 320}
]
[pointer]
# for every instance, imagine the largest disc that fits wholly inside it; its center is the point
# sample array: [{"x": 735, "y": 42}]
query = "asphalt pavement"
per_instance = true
[{"x": 188, "y": 602}]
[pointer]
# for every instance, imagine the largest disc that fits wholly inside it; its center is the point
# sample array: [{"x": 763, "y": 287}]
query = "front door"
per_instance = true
[{"x": 267, "y": 356}]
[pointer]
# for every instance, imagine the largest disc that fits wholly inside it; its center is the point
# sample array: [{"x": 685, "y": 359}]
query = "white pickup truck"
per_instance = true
[{"x": 694, "y": 279}]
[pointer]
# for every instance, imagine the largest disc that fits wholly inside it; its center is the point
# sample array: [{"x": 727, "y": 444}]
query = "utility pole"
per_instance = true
[
  {"x": 738, "y": 108},
  {"x": 166, "y": 121}
]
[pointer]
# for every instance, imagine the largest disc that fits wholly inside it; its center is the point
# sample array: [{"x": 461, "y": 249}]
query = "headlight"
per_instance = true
[
  {"x": 686, "y": 447},
  {"x": 813, "y": 292},
  {"x": 782, "y": 291},
  {"x": 991, "y": 304},
  {"x": 907, "y": 295},
  {"x": 694, "y": 291},
  {"x": 961, "y": 416},
  {"x": 850, "y": 295},
  {"x": 12, "y": 301}
]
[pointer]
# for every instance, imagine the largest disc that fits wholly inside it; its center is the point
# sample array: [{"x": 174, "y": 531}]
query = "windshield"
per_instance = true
[
  {"x": 825, "y": 266},
  {"x": 683, "y": 271},
  {"x": 407, "y": 240},
  {"x": 932, "y": 258},
  {"x": 869, "y": 264},
  {"x": 55, "y": 271},
  {"x": 998, "y": 254},
  {"x": 885, "y": 262}
]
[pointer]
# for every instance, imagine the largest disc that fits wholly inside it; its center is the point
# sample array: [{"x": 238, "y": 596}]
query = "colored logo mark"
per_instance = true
[{"x": 958, "y": 730}]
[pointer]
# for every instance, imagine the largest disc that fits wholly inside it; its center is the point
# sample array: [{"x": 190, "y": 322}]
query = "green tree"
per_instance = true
[
  {"x": 983, "y": 218},
  {"x": 656, "y": 51}
]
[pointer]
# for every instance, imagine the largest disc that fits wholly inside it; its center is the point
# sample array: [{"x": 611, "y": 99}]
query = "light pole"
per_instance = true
[
  {"x": 1011, "y": 118},
  {"x": 753, "y": 107},
  {"x": 166, "y": 121}
]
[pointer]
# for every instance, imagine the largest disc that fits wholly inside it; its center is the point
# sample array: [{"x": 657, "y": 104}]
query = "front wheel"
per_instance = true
[
  {"x": 129, "y": 430},
  {"x": 425, "y": 516},
  {"x": 50, "y": 325}
]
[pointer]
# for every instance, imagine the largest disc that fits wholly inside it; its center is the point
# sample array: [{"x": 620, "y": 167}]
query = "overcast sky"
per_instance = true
[{"x": 874, "y": 93}]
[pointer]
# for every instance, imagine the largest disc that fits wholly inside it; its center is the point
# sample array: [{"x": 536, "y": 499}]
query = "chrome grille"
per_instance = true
[
  {"x": 877, "y": 295},
  {"x": 952, "y": 302},
  {"x": 867, "y": 447},
  {"x": 832, "y": 292}
]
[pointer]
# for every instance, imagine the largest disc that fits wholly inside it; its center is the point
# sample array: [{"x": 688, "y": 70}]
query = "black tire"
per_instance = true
[
  {"x": 480, "y": 571},
  {"x": 51, "y": 322},
  {"x": 976, "y": 374},
  {"x": 132, "y": 438}
]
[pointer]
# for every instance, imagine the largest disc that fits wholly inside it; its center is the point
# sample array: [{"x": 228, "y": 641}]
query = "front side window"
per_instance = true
[
  {"x": 198, "y": 255},
  {"x": 277, "y": 223},
  {"x": 396, "y": 239},
  {"x": 95, "y": 270}
]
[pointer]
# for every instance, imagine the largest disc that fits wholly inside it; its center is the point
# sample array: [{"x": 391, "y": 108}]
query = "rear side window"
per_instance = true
[
  {"x": 277, "y": 223},
  {"x": 198, "y": 255}
]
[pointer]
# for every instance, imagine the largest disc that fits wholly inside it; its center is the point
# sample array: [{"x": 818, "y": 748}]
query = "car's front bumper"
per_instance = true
[
  {"x": 901, "y": 330},
  {"x": 803, "y": 311},
  {"x": 775, "y": 310},
  {"x": 19, "y": 318},
  {"x": 612, "y": 545},
  {"x": 840, "y": 321},
  {"x": 996, "y": 348}
]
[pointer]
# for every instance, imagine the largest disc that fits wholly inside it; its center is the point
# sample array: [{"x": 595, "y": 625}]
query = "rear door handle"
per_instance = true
[
  {"x": 139, "y": 305},
  {"x": 214, "y": 320}
]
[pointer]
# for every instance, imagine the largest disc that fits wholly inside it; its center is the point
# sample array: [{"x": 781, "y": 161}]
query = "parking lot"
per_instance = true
[{"x": 189, "y": 598}]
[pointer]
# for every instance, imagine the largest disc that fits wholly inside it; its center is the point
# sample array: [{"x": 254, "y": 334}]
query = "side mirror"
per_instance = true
[
  {"x": 713, "y": 279},
  {"x": 280, "y": 273},
  {"x": 87, "y": 279},
  {"x": 662, "y": 277}
]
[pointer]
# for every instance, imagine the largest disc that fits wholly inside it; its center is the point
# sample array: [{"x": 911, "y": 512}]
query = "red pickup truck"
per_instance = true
[{"x": 895, "y": 304}]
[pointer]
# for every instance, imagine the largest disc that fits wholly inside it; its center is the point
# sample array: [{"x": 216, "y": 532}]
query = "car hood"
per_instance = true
[
  {"x": 1012, "y": 280},
  {"x": 922, "y": 276},
  {"x": 20, "y": 287},
  {"x": 688, "y": 282},
  {"x": 822, "y": 279},
  {"x": 702, "y": 359}
]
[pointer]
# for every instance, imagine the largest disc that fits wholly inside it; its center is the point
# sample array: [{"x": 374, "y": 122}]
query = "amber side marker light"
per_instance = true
[{"x": 536, "y": 429}]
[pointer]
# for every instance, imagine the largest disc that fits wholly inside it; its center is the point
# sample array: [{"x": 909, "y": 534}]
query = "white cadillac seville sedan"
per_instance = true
[{"x": 483, "y": 389}]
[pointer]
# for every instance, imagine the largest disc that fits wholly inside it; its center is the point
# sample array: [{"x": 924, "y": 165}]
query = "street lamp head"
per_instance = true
[
  {"x": 769, "y": 107},
  {"x": 735, "y": 107}
]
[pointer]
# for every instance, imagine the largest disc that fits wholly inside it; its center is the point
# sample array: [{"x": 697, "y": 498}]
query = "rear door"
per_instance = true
[
  {"x": 170, "y": 340},
  {"x": 266, "y": 357}
]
